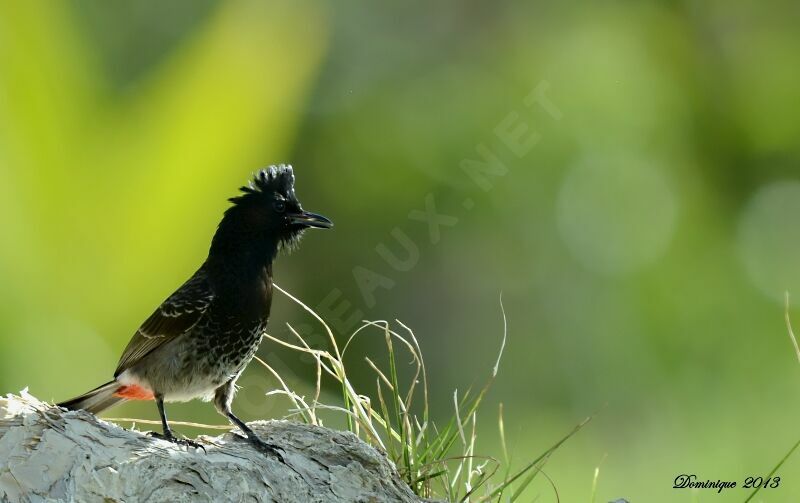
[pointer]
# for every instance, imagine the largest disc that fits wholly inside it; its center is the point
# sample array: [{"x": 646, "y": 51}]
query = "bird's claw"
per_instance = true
[
  {"x": 264, "y": 447},
  {"x": 177, "y": 441}
]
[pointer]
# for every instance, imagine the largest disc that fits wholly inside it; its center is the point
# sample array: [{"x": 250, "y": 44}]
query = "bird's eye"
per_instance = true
[{"x": 280, "y": 206}]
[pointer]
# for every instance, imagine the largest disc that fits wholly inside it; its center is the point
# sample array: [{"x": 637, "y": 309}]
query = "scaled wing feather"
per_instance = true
[{"x": 176, "y": 316}]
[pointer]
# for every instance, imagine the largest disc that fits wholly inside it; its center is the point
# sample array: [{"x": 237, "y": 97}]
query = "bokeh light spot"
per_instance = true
[
  {"x": 616, "y": 215},
  {"x": 769, "y": 240}
]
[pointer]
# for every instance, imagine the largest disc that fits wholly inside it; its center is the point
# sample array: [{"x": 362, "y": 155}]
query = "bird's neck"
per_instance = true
[
  {"x": 242, "y": 284},
  {"x": 240, "y": 265}
]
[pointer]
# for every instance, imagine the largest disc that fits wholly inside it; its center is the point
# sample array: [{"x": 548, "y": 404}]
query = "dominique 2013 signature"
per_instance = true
[{"x": 691, "y": 481}]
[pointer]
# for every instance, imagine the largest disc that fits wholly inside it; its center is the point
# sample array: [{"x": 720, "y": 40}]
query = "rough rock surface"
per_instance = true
[{"x": 48, "y": 454}]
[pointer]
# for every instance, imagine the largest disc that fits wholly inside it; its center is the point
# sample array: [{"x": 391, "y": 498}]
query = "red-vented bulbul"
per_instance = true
[{"x": 200, "y": 339}]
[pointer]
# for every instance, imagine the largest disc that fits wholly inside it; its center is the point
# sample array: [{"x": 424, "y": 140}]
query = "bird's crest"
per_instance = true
[{"x": 268, "y": 181}]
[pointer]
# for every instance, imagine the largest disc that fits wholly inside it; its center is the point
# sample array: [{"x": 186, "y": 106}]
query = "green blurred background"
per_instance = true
[{"x": 643, "y": 234}]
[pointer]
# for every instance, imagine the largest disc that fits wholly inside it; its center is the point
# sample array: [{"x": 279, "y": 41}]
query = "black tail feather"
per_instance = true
[{"x": 95, "y": 401}]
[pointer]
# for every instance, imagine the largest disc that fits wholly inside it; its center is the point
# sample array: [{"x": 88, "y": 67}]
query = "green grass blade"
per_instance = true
[
  {"x": 387, "y": 424},
  {"x": 536, "y": 461},
  {"x": 398, "y": 407},
  {"x": 777, "y": 467}
]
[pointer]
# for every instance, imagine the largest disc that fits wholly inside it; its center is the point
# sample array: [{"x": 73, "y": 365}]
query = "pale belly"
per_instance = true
[{"x": 179, "y": 378}]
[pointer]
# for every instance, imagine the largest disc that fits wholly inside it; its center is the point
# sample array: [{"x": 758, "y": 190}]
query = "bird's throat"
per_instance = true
[{"x": 242, "y": 281}]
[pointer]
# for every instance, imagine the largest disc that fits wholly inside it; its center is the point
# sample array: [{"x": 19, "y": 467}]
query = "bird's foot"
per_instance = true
[
  {"x": 177, "y": 441},
  {"x": 263, "y": 446}
]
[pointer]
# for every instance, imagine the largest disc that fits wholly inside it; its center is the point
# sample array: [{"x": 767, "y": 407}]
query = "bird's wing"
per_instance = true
[{"x": 176, "y": 316}]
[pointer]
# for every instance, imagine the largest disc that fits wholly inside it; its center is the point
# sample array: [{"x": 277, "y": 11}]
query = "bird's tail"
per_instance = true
[{"x": 97, "y": 400}]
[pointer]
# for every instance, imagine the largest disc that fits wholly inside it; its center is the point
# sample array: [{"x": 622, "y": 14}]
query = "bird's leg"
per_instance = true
[
  {"x": 164, "y": 423},
  {"x": 222, "y": 400},
  {"x": 168, "y": 435}
]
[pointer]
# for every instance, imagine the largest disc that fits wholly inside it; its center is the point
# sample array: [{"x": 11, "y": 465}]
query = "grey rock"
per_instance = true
[{"x": 48, "y": 454}]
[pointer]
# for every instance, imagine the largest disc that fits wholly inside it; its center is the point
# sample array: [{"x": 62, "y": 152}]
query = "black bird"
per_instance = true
[{"x": 198, "y": 342}]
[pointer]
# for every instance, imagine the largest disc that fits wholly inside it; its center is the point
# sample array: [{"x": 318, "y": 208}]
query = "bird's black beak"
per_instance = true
[{"x": 308, "y": 219}]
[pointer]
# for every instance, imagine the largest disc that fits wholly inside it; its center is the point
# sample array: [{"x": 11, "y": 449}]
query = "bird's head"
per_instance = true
[{"x": 269, "y": 212}]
